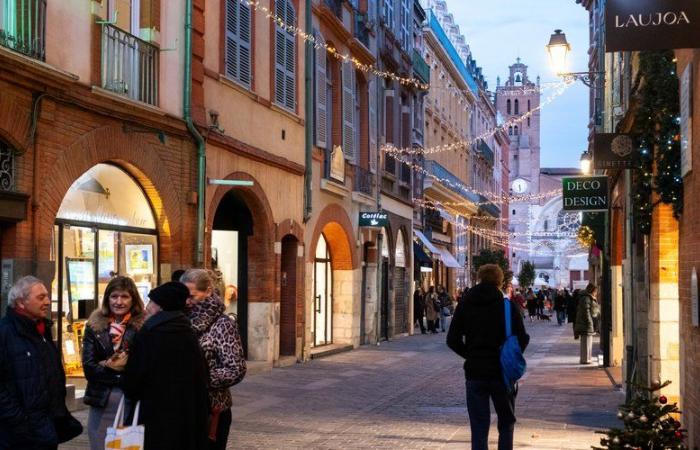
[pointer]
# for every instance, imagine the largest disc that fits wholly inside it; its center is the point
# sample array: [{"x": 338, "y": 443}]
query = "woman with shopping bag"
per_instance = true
[
  {"x": 125, "y": 438},
  {"x": 106, "y": 343},
  {"x": 167, "y": 373}
]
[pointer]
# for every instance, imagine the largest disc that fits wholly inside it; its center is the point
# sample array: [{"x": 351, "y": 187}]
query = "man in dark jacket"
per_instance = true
[
  {"x": 167, "y": 373},
  {"x": 419, "y": 308},
  {"x": 32, "y": 380},
  {"x": 477, "y": 334}
]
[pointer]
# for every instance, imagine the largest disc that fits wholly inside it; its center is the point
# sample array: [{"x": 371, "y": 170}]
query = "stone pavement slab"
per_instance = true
[{"x": 409, "y": 394}]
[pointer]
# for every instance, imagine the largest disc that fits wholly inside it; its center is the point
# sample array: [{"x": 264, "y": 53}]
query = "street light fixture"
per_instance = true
[
  {"x": 586, "y": 162},
  {"x": 558, "y": 49}
]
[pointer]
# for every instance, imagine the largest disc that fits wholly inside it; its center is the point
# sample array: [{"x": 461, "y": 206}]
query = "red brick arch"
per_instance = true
[
  {"x": 15, "y": 117},
  {"x": 335, "y": 224},
  {"x": 137, "y": 154},
  {"x": 407, "y": 240}
]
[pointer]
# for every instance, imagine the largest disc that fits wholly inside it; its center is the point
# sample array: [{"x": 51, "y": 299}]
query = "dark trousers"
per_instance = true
[
  {"x": 419, "y": 319},
  {"x": 561, "y": 317},
  {"x": 479, "y": 393},
  {"x": 222, "y": 431},
  {"x": 432, "y": 326}
]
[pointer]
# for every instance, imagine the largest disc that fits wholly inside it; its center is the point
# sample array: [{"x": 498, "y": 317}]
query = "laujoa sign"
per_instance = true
[
  {"x": 651, "y": 25},
  {"x": 374, "y": 219},
  {"x": 613, "y": 151},
  {"x": 585, "y": 193}
]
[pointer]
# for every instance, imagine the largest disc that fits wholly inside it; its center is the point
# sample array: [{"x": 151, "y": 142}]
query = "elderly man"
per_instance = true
[{"x": 33, "y": 413}]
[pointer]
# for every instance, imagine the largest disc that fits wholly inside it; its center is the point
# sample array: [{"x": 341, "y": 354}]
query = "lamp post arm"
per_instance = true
[{"x": 587, "y": 78}]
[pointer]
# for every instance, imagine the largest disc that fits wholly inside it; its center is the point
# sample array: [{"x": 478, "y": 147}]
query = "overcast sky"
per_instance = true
[{"x": 498, "y": 31}]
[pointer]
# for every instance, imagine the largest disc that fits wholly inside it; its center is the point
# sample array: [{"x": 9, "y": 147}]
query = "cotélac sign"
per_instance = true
[
  {"x": 374, "y": 219},
  {"x": 585, "y": 193},
  {"x": 651, "y": 24}
]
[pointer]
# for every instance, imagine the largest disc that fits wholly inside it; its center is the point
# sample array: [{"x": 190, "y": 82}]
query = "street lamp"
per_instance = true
[
  {"x": 586, "y": 162},
  {"x": 558, "y": 49}
]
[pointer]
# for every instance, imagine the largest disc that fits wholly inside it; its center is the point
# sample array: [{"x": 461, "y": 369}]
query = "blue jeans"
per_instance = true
[
  {"x": 561, "y": 317},
  {"x": 479, "y": 393}
]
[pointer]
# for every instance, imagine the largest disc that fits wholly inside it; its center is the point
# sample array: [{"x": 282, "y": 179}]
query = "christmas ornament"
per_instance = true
[
  {"x": 663, "y": 400},
  {"x": 643, "y": 419},
  {"x": 679, "y": 434},
  {"x": 631, "y": 415},
  {"x": 620, "y": 415},
  {"x": 616, "y": 440}
]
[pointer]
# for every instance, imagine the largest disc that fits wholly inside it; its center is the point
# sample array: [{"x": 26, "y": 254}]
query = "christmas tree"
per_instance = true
[{"x": 650, "y": 423}]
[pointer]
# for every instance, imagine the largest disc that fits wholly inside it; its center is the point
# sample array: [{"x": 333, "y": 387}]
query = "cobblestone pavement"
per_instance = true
[{"x": 409, "y": 394}]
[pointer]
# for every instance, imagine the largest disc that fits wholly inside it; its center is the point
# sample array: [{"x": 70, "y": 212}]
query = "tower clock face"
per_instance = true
[{"x": 519, "y": 186}]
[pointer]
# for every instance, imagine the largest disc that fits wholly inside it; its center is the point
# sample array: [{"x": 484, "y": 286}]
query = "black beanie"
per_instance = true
[{"x": 170, "y": 296}]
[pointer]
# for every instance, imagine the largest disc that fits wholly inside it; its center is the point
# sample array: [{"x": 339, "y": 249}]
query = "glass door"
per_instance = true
[{"x": 323, "y": 294}]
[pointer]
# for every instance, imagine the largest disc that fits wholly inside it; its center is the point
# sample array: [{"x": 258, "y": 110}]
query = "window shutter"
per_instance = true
[
  {"x": 285, "y": 52},
  {"x": 290, "y": 63},
  {"x": 232, "y": 52},
  {"x": 372, "y": 125},
  {"x": 244, "y": 26},
  {"x": 348, "y": 112},
  {"x": 237, "y": 64},
  {"x": 321, "y": 113}
]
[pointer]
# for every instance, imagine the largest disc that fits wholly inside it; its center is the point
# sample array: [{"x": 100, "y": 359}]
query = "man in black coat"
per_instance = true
[
  {"x": 477, "y": 334},
  {"x": 419, "y": 308},
  {"x": 33, "y": 413},
  {"x": 167, "y": 373}
]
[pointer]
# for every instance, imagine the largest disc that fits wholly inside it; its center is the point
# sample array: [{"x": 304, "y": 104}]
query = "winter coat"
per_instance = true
[
  {"x": 418, "y": 305},
  {"x": 571, "y": 308},
  {"x": 32, "y": 385},
  {"x": 586, "y": 310},
  {"x": 478, "y": 331},
  {"x": 221, "y": 342},
  {"x": 167, "y": 373},
  {"x": 97, "y": 347},
  {"x": 432, "y": 308},
  {"x": 559, "y": 303}
]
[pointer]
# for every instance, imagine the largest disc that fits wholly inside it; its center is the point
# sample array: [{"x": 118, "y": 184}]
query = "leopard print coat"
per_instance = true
[{"x": 221, "y": 343}]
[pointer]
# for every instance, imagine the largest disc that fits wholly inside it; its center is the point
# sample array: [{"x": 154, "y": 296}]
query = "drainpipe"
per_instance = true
[
  {"x": 199, "y": 140},
  {"x": 308, "y": 113}
]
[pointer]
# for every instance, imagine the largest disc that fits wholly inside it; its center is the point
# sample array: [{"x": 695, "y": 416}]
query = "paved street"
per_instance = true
[{"x": 409, "y": 394}]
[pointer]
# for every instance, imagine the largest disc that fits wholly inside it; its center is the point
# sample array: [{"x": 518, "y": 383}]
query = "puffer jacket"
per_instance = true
[
  {"x": 221, "y": 343},
  {"x": 586, "y": 310},
  {"x": 32, "y": 385},
  {"x": 97, "y": 346}
]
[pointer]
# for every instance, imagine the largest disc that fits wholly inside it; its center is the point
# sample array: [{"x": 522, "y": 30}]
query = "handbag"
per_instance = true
[
  {"x": 125, "y": 438},
  {"x": 513, "y": 363}
]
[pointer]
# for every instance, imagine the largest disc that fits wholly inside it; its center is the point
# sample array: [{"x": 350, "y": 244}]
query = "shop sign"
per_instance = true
[
  {"x": 337, "y": 164},
  {"x": 634, "y": 25},
  {"x": 585, "y": 193},
  {"x": 687, "y": 120},
  {"x": 695, "y": 310},
  {"x": 374, "y": 219},
  {"x": 613, "y": 151}
]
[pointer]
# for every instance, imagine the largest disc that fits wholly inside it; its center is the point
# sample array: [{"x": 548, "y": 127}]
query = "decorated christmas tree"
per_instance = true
[{"x": 650, "y": 423}]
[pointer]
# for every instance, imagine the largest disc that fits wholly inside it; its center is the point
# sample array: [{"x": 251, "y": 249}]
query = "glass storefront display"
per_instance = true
[{"x": 105, "y": 227}]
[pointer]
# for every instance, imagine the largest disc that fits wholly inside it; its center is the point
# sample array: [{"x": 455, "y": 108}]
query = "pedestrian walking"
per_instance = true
[
  {"x": 221, "y": 342},
  {"x": 570, "y": 306},
  {"x": 540, "y": 304},
  {"x": 560, "y": 307},
  {"x": 419, "y": 308},
  {"x": 587, "y": 309},
  {"x": 531, "y": 304},
  {"x": 107, "y": 341},
  {"x": 432, "y": 309},
  {"x": 444, "y": 302},
  {"x": 477, "y": 334},
  {"x": 33, "y": 413},
  {"x": 167, "y": 373}
]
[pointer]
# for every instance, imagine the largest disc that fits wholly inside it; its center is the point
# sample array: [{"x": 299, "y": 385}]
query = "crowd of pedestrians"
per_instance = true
[
  {"x": 433, "y": 309},
  {"x": 176, "y": 357}
]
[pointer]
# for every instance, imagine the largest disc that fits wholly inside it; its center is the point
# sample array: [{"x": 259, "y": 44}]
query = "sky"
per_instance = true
[{"x": 498, "y": 31}]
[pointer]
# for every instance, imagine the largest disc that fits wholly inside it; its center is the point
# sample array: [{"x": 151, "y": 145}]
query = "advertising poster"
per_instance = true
[
  {"x": 139, "y": 259},
  {"x": 81, "y": 279}
]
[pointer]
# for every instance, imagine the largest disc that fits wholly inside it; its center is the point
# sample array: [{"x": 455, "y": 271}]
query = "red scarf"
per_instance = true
[
  {"x": 116, "y": 330},
  {"x": 39, "y": 324}
]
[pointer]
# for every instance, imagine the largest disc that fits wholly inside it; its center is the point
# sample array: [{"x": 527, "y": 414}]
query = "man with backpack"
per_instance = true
[{"x": 478, "y": 333}]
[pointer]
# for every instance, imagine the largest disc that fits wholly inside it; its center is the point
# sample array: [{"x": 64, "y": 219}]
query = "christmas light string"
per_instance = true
[{"x": 345, "y": 58}]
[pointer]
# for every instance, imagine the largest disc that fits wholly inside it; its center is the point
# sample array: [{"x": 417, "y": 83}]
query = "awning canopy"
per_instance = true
[
  {"x": 447, "y": 258},
  {"x": 420, "y": 257},
  {"x": 426, "y": 242}
]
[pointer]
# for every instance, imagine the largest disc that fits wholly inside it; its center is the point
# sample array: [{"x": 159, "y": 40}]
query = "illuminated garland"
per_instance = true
[
  {"x": 585, "y": 236},
  {"x": 346, "y": 58}
]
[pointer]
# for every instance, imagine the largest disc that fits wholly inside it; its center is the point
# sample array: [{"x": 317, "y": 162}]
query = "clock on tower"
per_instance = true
[{"x": 519, "y": 186}]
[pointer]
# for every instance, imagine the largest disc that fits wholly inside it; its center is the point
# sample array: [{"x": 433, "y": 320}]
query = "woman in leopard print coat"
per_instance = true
[{"x": 221, "y": 343}]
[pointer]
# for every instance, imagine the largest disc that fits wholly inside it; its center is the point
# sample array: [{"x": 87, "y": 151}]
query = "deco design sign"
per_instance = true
[
  {"x": 585, "y": 193},
  {"x": 633, "y": 25}
]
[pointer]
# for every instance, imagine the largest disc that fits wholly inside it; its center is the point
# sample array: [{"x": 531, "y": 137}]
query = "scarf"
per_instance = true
[
  {"x": 116, "y": 330},
  {"x": 39, "y": 324}
]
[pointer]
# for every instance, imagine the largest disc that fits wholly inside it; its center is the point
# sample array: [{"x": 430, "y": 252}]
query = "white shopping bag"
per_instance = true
[{"x": 125, "y": 438}]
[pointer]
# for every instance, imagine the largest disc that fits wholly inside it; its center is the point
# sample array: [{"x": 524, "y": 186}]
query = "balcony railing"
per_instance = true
[
  {"x": 129, "y": 65},
  {"x": 420, "y": 68},
  {"x": 7, "y": 168},
  {"x": 364, "y": 180},
  {"x": 23, "y": 26}
]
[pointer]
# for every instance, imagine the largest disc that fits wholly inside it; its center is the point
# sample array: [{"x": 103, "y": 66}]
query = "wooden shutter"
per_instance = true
[
  {"x": 244, "y": 43},
  {"x": 348, "y": 82},
  {"x": 280, "y": 46},
  {"x": 321, "y": 98},
  {"x": 285, "y": 53},
  {"x": 237, "y": 64},
  {"x": 290, "y": 62},
  {"x": 372, "y": 86}
]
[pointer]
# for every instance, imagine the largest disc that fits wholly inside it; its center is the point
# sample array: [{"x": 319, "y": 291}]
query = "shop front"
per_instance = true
[{"x": 105, "y": 227}]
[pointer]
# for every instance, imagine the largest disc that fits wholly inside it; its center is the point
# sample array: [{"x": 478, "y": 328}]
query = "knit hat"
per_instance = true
[{"x": 170, "y": 296}]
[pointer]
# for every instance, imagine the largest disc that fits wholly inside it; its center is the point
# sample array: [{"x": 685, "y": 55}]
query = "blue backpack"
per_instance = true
[{"x": 513, "y": 363}]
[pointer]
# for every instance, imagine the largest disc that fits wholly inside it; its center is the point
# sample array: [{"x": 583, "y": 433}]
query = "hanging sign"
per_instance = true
[
  {"x": 686, "y": 120},
  {"x": 651, "y": 25},
  {"x": 374, "y": 219},
  {"x": 694, "y": 309},
  {"x": 585, "y": 193},
  {"x": 613, "y": 151}
]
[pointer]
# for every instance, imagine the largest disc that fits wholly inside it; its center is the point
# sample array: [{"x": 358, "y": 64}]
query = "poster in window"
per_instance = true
[
  {"x": 80, "y": 273},
  {"x": 106, "y": 263},
  {"x": 139, "y": 259}
]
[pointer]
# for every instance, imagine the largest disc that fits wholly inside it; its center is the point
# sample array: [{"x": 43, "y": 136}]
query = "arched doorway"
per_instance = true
[
  {"x": 400, "y": 286},
  {"x": 105, "y": 226},
  {"x": 232, "y": 226},
  {"x": 288, "y": 293},
  {"x": 322, "y": 294}
]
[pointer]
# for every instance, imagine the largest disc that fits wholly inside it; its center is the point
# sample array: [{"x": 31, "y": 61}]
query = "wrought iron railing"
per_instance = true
[
  {"x": 129, "y": 65},
  {"x": 389, "y": 164},
  {"x": 23, "y": 26},
  {"x": 364, "y": 180},
  {"x": 7, "y": 168}
]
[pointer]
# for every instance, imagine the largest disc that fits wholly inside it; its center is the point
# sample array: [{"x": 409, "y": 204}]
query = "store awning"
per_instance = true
[
  {"x": 447, "y": 258},
  {"x": 420, "y": 257},
  {"x": 426, "y": 242}
]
